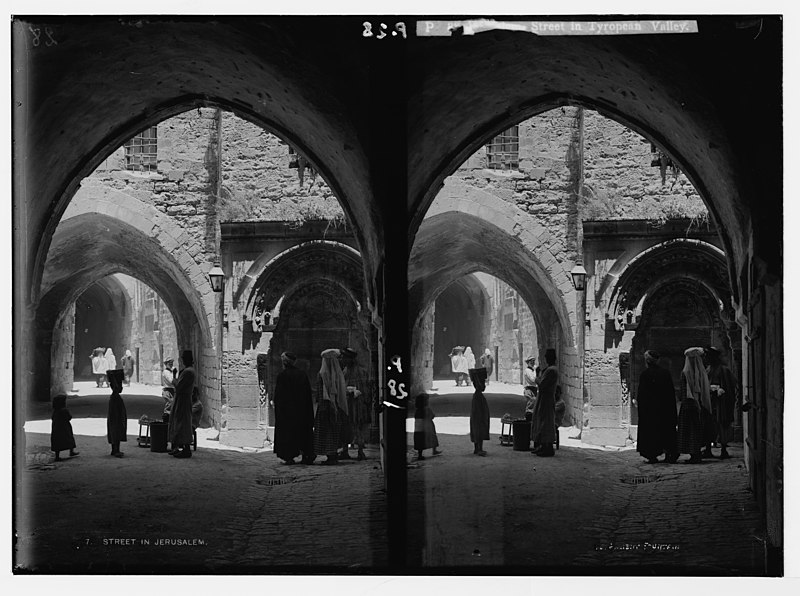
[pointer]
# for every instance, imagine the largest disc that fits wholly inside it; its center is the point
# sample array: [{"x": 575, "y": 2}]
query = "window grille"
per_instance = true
[
  {"x": 141, "y": 152},
  {"x": 503, "y": 150}
]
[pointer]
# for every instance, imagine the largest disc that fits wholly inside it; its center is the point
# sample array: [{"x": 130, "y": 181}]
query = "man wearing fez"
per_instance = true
[
  {"x": 294, "y": 413},
  {"x": 658, "y": 415}
]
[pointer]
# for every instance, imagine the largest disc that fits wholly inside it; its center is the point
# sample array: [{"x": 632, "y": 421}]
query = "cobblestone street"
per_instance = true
[{"x": 585, "y": 511}]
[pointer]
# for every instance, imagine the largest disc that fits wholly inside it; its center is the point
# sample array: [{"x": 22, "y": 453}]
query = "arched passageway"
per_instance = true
[
  {"x": 303, "y": 298},
  {"x": 462, "y": 318},
  {"x": 100, "y": 317},
  {"x": 712, "y": 100},
  {"x": 671, "y": 296},
  {"x": 88, "y": 247},
  {"x": 475, "y": 232}
]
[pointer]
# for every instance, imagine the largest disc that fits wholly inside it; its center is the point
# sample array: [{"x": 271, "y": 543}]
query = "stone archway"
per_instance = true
[
  {"x": 273, "y": 298},
  {"x": 461, "y": 314},
  {"x": 89, "y": 246},
  {"x": 635, "y": 294},
  {"x": 106, "y": 296},
  {"x": 470, "y": 230}
]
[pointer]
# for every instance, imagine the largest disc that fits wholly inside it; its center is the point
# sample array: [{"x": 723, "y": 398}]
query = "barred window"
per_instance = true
[
  {"x": 503, "y": 150},
  {"x": 141, "y": 152}
]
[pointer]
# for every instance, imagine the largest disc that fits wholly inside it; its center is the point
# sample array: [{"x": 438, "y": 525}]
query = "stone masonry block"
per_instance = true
[
  {"x": 604, "y": 416},
  {"x": 242, "y": 395},
  {"x": 615, "y": 437},
  {"x": 241, "y": 418},
  {"x": 244, "y": 438},
  {"x": 605, "y": 394}
]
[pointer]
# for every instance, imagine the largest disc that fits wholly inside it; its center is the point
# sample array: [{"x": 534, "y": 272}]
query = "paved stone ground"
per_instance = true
[{"x": 585, "y": 511}]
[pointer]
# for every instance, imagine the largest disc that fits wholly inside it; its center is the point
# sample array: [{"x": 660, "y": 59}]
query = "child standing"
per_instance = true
[
  {"x": 61, "y": 436},
  {"x": 117, "y": 420},
  {"x": 479, "y": 413},
  {"x": 424, "y": 429}
]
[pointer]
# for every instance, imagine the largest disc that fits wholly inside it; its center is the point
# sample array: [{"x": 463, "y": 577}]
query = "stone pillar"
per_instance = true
[
  {"x": 388, "y": 159},
  {"x": 422, "y": 352},
  {"x": 62, "y": 354}
]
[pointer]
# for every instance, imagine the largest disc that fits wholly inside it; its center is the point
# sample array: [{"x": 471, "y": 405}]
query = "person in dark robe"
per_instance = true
[
  {"x": 61, "y": 437},
  {"x": 117, "y": 419},
  {"x": 543, "y": 427},
  {"x": 479, "y": 411},
  {"x": 180, "y": 418},
  {"x": 359, "y": 399},
  {"x": 724, "y": 391},
  {"x": 424, "y": 428},
  {"x": 695, "y": 398},
  {"x": 294, "y": 413},
  {"x": 331, "y": 401},
  {"x": 658, "y": 415}
]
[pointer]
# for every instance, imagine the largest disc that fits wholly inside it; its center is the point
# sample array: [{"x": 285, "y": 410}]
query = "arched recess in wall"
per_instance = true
[
  {"x": 673, "y": 296},
  {"x": 678, "y": 257},
  {"x": 476, "y": 231},
  {"x": 105, "y": 297},
  {"x": 79, "y": 260},
  {"x": 471, "y": 238},
  {"x": 336, "y": 271}
]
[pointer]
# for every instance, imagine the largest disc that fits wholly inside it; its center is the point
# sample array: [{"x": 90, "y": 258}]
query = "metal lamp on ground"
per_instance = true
[
  {"x": 216, "y": 277},
  {"x": 578, "y": 274}
]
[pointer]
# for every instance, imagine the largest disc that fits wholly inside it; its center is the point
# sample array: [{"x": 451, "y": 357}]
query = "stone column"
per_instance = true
[{"x": 389, "y": 172}]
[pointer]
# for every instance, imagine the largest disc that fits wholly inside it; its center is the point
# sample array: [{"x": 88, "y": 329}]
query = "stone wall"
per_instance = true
[
  {"x": 620, "y": 182},
  {"x": 508, "y": 305},
  {"x": 259, "y": 185}
]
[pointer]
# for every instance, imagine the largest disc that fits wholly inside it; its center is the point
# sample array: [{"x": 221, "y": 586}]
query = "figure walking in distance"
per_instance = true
[
  {"x": 127, "y": 367},
  {"x": 294, "y": 413},
  {"x": 99, "y": 367},
  {"x": 111, "y": 361},
  {"x": 487, "y": 362},
  {"x": 658, "y": 415}
]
